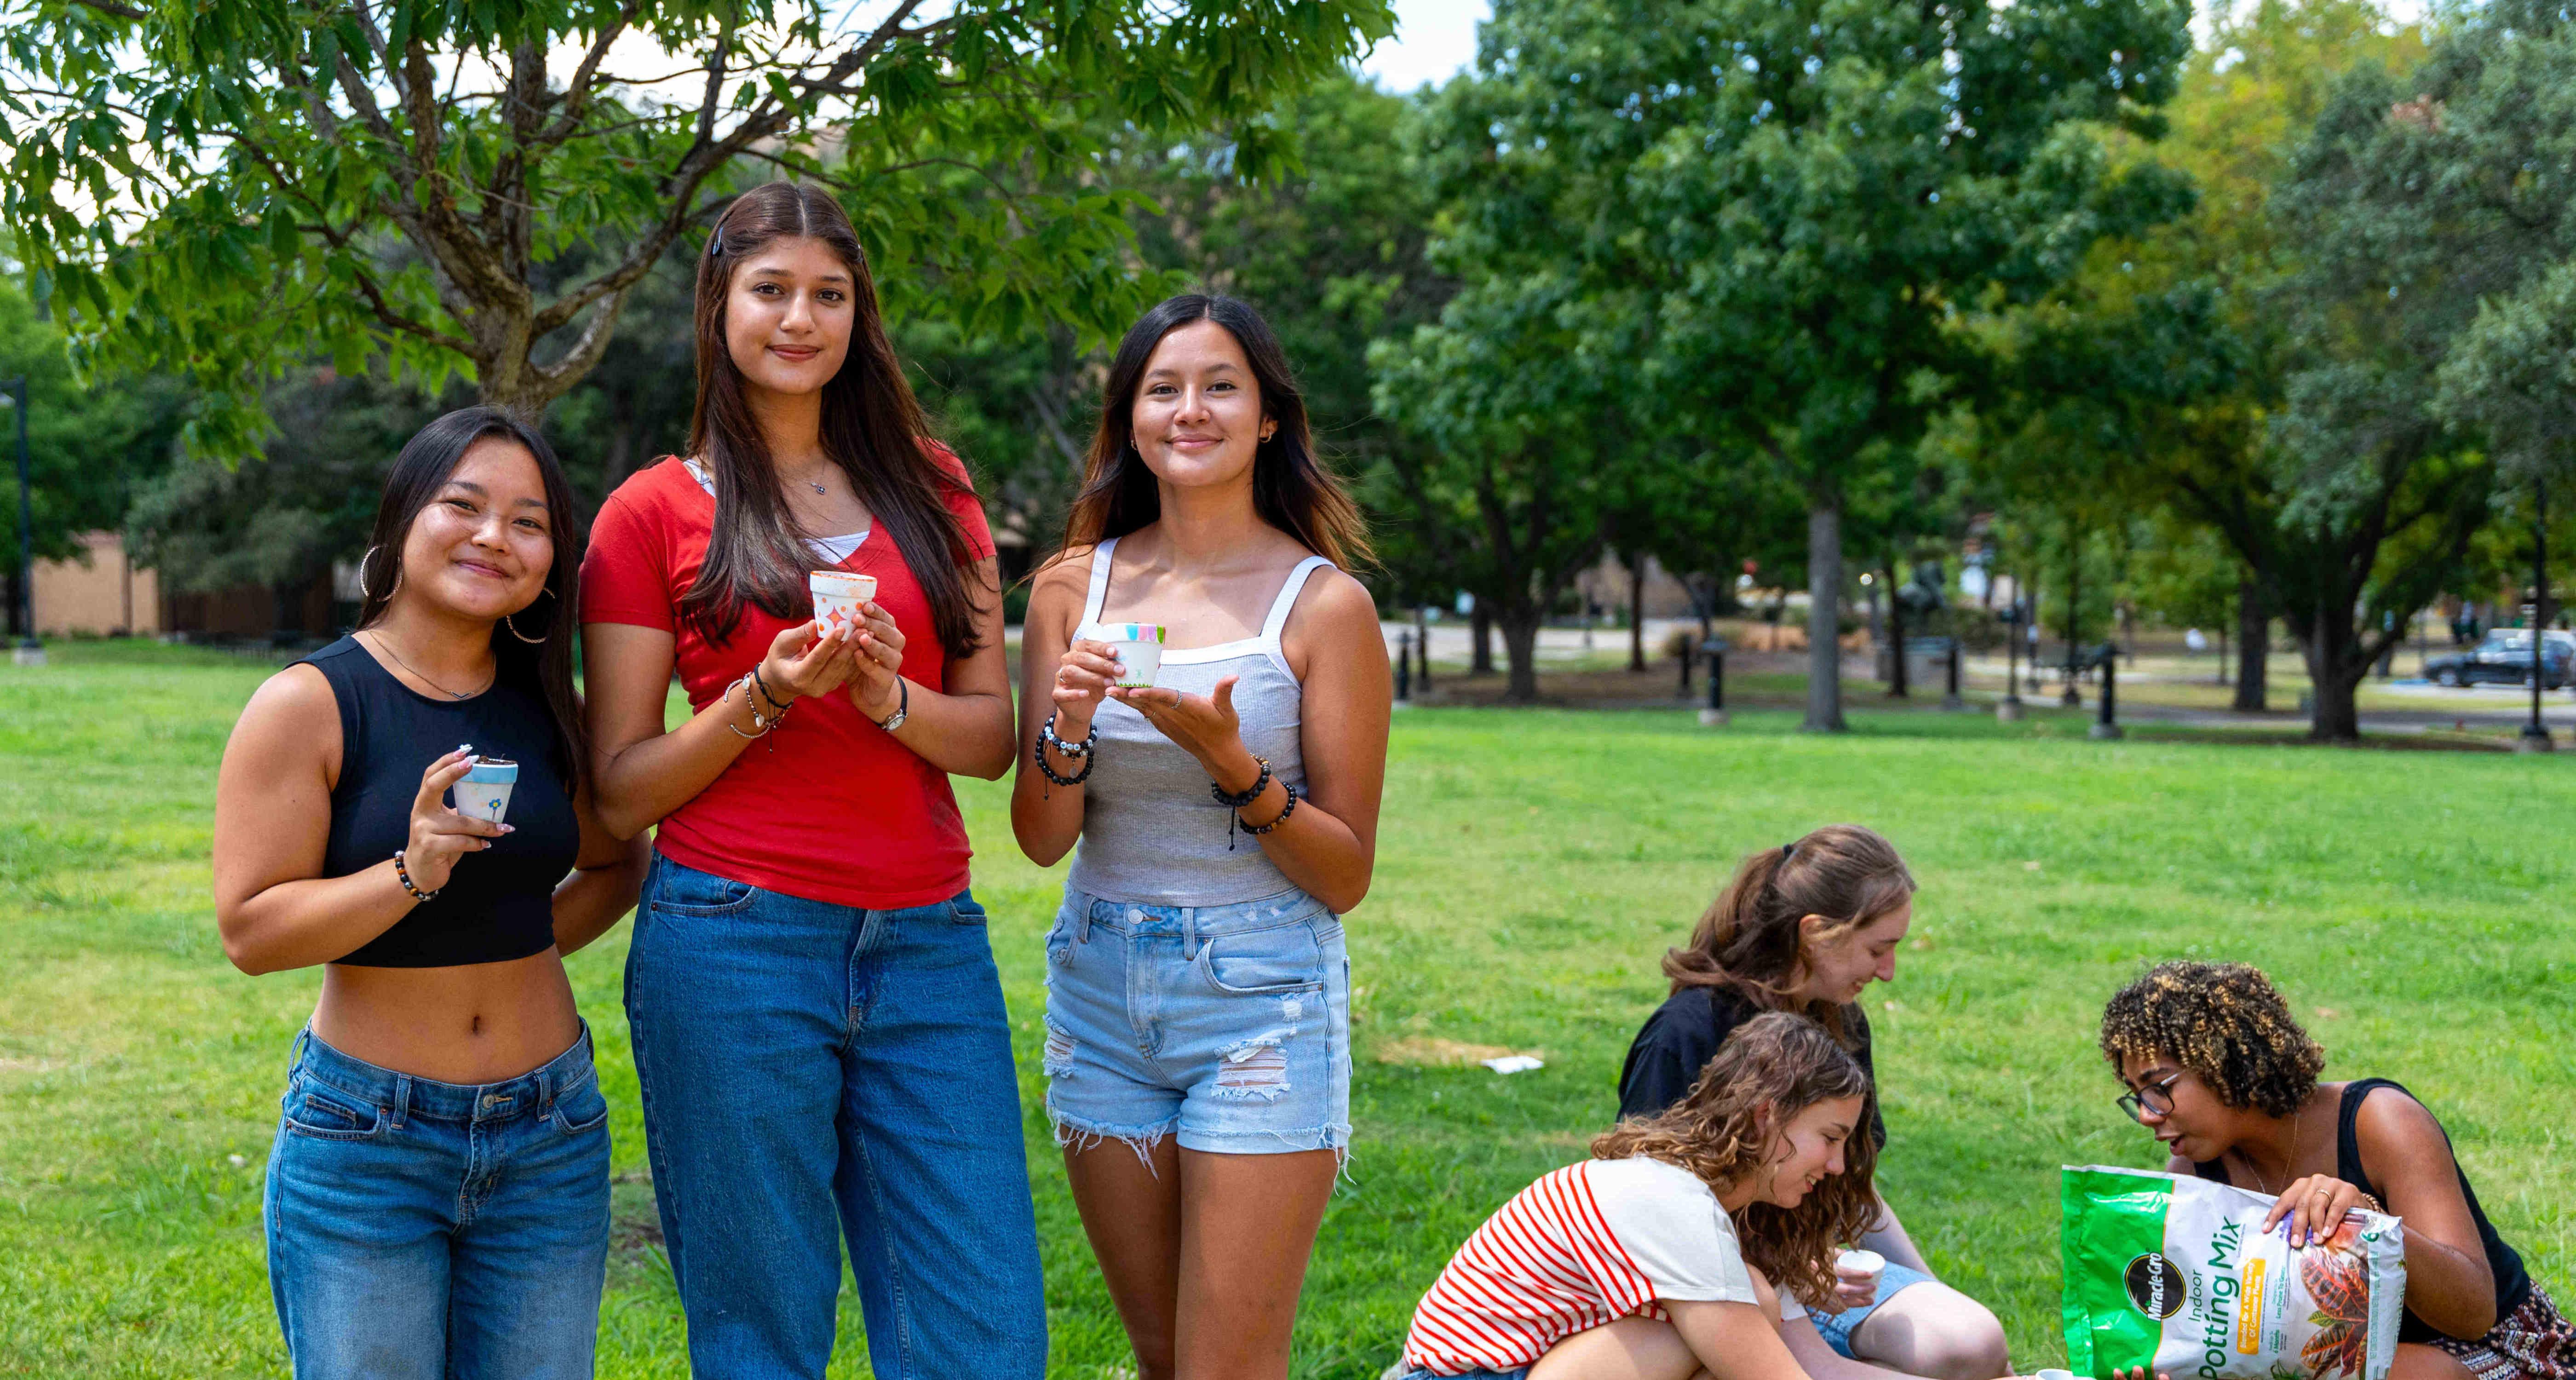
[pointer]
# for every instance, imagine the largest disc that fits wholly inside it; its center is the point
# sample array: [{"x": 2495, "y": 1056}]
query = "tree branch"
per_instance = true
[
  {"x": 577, "y": 91},
  {"x": 110, "y": 7}
]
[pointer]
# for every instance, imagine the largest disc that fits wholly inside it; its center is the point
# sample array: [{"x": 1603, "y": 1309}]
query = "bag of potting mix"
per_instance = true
[{"x": 2177, "y": 1274}]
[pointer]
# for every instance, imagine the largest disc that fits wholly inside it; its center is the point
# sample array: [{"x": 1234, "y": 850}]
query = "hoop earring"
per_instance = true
[
  {"x": 366, "y": 582},
  {"x": 523, "y": 637}
]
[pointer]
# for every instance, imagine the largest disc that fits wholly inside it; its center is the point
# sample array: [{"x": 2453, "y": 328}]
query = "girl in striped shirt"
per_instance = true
[{"x": 1657, "y": 1259}]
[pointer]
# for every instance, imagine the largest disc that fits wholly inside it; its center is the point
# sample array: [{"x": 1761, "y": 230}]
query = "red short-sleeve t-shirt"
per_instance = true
[{"x": 828, "y": 807}]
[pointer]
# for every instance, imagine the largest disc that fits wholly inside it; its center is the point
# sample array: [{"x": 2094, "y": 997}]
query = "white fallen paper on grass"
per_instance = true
[{"x": 1513, "y": 1063}]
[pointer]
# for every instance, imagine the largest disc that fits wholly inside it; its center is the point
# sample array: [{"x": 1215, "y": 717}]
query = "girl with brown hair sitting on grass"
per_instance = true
[{"x": 1677, "y": 1250}]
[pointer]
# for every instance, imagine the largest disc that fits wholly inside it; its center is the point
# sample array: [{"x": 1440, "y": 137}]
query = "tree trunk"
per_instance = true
[
  {"x": 620, "y": 460},
  {"x": 1824, "y": 619},
  {"x": 1480, "y": 635},
  {"x": 1637, "y": 613},
  {"x": 2335, "y": 672},
  {"x": 2253, "y": 645},
  {"x": 1520, "y": 620},
  {"x": 17, "y": 625}
]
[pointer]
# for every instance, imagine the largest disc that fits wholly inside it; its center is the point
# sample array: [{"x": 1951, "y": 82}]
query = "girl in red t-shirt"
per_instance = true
[{"x": 816, "y": 1019}]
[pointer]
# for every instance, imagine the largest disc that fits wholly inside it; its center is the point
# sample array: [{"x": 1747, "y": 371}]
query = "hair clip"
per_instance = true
[
  {"x": 1788, "y": 851},
  {"x": 715, "y": 243}
]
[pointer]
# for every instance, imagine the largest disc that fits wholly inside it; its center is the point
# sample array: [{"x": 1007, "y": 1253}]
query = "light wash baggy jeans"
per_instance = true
[
  {"x": 813, "y": 1071},
  {"x": 420, "y": 1230}
]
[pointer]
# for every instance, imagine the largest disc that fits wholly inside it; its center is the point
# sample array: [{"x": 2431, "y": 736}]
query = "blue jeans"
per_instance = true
[
  {"x": 420, "y": 1230},
  {"x": 812, "y": 1071},
  {"x": 1838, "y": 1327},
  {"x": 1228, "y": 1027}
]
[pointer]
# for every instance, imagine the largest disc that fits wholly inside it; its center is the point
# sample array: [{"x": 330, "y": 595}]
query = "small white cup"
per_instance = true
[
  {"x": 485, "y": 792},
  {"x": 1856, "y": 1266},
  {"x": 1138, "y": 647},
  {"x": 2054, "y": 1375},
  {"x": 837, "y": 596}
]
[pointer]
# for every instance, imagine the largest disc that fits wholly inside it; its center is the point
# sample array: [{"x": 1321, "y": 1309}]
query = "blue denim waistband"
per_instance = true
[
  {"x": 1191, "y": 923},
  {"x": 402, "y": 1094}
]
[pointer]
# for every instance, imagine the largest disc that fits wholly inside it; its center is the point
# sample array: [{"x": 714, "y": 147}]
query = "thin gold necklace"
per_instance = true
[
  {"x": 2290, "y": 1168},
  {"x": 388, "y": 649}
]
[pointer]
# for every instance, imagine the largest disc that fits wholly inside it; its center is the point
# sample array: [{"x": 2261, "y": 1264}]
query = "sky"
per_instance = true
[{"x": 1434, "y": 40}]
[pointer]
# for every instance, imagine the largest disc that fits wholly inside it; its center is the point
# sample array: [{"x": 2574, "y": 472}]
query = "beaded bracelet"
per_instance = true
[
  {"x": 1046, "y": 735},
  {"x": 1233, "y": 801},
  {"x": 402, "y": 874},
  {"x": 1281, "y": 818}
]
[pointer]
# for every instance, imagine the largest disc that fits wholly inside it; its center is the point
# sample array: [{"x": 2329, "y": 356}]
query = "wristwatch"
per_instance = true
[{"x": 902, "y": 704}]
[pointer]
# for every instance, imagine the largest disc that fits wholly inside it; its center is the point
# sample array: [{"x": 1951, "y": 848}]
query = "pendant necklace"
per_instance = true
[{"x": 388, "y": 649}]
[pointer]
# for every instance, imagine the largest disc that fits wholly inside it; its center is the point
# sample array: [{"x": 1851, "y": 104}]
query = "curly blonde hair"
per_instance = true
[
  {"x": 1781, "y": 1064},
  {"x": 2224, "y": 1022}
]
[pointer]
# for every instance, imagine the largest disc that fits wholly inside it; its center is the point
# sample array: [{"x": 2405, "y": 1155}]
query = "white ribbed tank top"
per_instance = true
[{"x": 1151, "y": 832}]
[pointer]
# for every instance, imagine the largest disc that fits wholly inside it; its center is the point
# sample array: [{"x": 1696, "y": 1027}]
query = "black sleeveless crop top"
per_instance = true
[
  {"x": 2512, "y": 1282},
  {"x": 498, "y": 904}
]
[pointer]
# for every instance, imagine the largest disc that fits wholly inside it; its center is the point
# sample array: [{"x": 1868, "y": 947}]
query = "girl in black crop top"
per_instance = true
[
  {"x": 446, "y": 1046},
  {"x": 2221, "y": 1073}
]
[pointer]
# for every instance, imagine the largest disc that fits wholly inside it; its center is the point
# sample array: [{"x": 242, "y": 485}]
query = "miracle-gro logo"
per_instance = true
[{"x": 2155, "y": 1286}]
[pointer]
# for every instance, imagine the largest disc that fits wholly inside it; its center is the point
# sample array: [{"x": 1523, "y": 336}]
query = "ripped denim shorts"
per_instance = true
[{"x": 1229, "y": 1026}]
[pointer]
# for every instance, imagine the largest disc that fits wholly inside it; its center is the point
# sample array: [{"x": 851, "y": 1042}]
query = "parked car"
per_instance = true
[{"x": 2505, "y": 657}]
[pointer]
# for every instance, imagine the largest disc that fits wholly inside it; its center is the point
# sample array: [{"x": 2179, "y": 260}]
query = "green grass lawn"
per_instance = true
[{"x": 2417, "y": 906}]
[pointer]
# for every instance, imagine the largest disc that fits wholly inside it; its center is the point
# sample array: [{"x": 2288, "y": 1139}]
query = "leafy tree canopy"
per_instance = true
[{"x": 234, "y": 188}]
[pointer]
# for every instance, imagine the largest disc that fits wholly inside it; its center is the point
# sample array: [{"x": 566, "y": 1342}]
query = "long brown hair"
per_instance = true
[
  {"x": 1291, "y": 489},
  {"x": 544, "y": 669},
  {"x": 1749, "y": 939},
  {"x": 1769, "y": 1070},
  {"x": 873, "y": 428}
]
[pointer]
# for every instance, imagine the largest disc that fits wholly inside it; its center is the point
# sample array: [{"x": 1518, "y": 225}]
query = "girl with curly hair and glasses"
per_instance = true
[
  {"x": 2222, "y": 1074},
  {"x": 1806, "y": 927},
  {"x": 1681, "y": 1246}
]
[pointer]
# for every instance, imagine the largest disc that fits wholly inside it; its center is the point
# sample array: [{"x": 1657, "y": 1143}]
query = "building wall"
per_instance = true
[{"x": 91, "y": 596}]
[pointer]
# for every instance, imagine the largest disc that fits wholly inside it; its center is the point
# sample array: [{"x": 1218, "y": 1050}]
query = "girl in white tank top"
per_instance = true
[{"x": 1198, "y": 991}]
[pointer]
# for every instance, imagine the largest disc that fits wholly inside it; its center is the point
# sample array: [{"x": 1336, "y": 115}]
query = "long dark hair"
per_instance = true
[
  {"x": 1291, "y": 489},
  {"x": 1749, "y": 939},
  {"x": 873, "y": 428},
  {"x": 427, "y": 462},
  {"x": 1785, "y": 1064}
]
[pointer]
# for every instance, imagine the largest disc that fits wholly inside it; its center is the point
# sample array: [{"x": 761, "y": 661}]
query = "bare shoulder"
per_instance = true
[
  {"x": 1057, "y": 589},
  {"x": 292, "y": 715},
  {"x": 292, "y": 697},
  {"x": 2388, "y": 1116},
  {"x": 1334, "y": 604}
]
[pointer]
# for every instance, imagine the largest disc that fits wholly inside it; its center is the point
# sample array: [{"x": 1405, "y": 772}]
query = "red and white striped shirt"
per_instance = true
[{"x": 1583, "y": 1247}]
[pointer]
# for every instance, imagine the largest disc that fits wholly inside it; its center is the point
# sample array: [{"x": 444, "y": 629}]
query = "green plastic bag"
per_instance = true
[{"x": 2176, "y": 1274}]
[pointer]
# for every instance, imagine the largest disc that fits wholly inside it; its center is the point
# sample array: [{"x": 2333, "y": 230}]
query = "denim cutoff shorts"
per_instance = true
[
  {"x": 1838, "y": 1327},
  {"x": 1228, "y": 1026}
]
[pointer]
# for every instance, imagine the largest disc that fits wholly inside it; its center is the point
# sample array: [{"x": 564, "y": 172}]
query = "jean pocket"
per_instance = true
[
  {"x": 966, "y": 910},
  {"x": 326, "y": 1113},
  {"x": 686, "y": 891},
  {"x": 1283, "y": 958},
  {"x": 582, "y": 1109}
]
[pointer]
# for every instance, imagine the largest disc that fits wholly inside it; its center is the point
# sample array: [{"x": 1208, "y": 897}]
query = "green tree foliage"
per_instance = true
[
  {"x": 1772, "y": 213},
  {"x": 87, "y": 447},
  {"x": 353, "y": 179}
]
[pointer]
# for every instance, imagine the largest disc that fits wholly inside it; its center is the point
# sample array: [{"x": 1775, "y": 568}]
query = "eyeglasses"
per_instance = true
[{"x": 2155, "y": 1097}]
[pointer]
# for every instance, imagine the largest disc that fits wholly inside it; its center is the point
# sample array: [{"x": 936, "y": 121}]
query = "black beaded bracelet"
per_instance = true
[
  {"x": 1232, "y": 801},
  {"x": 1281, "y": 818},
  {"x": 1046, "y": 735},
  {"x": 402, "y": 874},
  {"x": 1037, "y": 753}
]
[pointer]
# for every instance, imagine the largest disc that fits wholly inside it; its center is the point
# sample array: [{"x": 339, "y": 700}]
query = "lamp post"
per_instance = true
[
  {"x": 2107, "y": 656},
  {"x": 29, "y": 651},
  {"x": 1715, "y": 714},
  {"x": 2535, "y": 735},
  {"x": 2008, "y": 709}
]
